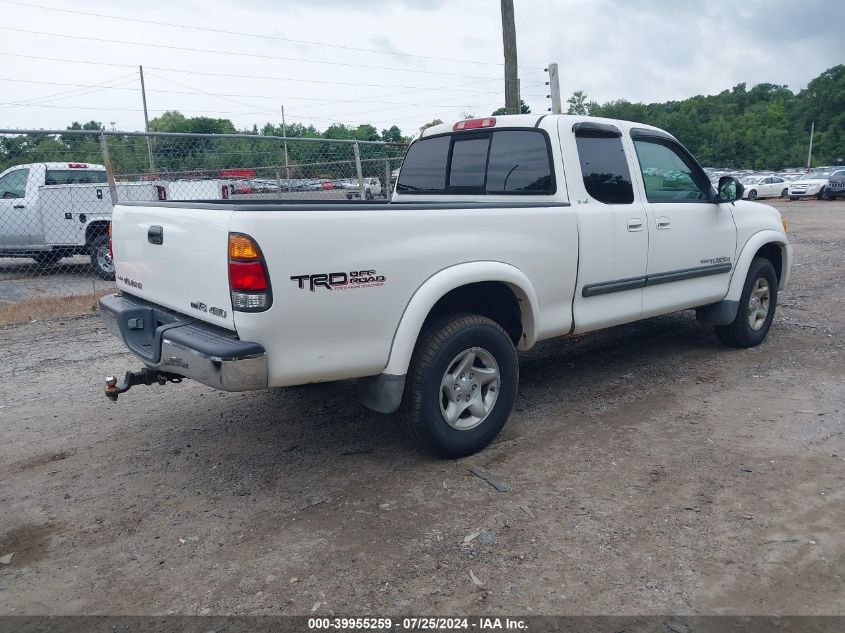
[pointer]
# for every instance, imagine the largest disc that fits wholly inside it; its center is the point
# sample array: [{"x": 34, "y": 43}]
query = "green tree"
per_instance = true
[
  {"x": 523, "y": 109},
  {"x": 431, "y": 123},
  {"x": 577, "y": 103}
]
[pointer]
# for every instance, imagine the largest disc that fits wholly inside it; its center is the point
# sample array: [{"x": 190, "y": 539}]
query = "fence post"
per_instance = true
[
  {"x": 104, "y": 146},
  {"x": 279, "y": 182},
  {"x": 357, "y": 152},
  {"x": 388, "y": 191}
]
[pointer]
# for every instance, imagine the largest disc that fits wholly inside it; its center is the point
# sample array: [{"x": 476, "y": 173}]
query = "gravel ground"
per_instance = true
[{"x": 650, "y": 470}]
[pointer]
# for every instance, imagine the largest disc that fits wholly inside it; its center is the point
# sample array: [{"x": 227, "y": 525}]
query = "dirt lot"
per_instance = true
[{"x": 650, "y": 471}]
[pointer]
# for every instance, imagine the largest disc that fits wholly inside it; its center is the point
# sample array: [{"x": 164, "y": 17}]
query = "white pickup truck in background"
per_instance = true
[
  {"x": 49, "y": 211},
  {"x": 53, "y": 210},
  {"x": 501, "y": 232}
]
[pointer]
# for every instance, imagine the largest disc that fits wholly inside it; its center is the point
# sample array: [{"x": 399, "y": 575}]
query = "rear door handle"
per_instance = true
[
  {"x": 663, "y": 222},
  {"x": 635, "y": 224}
]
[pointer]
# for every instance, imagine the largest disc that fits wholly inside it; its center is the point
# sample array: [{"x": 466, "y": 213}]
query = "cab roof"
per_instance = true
[{"x": 535, "y": 121}]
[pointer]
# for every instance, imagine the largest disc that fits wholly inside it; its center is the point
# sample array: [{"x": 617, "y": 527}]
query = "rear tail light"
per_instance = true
[
  {"x": 249, "y": 283},
  {"x": 162, "y": 192}
]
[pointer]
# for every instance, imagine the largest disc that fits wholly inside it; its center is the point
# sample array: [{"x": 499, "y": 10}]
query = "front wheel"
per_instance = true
[
  {"x": 101, "y": 260},
  {"x": 825, "y": 195},
  {"x": 461, "y": 385},
  {"x": 757, "y": 307}
]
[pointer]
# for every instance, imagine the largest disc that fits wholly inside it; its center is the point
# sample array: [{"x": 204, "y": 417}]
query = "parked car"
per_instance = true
[
  {"x": 372, "y": 188},
  {"x": 488, "y": 246},
  {"x": 764, "y": 187},
  {"x": 814, "y": 184},
  {"x": 836, "y": 186}
]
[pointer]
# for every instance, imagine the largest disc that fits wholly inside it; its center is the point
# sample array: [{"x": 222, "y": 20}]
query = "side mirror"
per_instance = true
[{"x": 730, "y": 189}]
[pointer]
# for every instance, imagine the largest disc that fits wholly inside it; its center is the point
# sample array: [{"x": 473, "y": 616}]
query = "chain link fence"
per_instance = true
[{"x": 58, "y": 187}]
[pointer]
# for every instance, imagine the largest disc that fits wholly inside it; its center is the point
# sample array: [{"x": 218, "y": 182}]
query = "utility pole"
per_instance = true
[
  {"x": 285, "y": 143},
  {"x": 512, "y": 105},
  {"x": 554, "y": 88},
  {"x": 147, "y": 121},
  {"x": 810, "y": 153}
]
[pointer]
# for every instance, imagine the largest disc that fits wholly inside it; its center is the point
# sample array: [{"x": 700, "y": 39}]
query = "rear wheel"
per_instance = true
[
  {"x": 752, "y": 195},
  {"x": 757, "y": 307},
  {"x": 783, "y": 193},
  {"x": 101, "y": 260},
  {"x": 793, "y": 198},
  {"x": 461, "y": 385}
]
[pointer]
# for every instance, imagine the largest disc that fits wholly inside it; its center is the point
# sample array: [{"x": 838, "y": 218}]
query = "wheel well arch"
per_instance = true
[
  {"x": 495, "y": 300},
  {"x": 495, "y": 289},
  {"x": 774, "y": 254},
  {"x": 95, "y": 229}
]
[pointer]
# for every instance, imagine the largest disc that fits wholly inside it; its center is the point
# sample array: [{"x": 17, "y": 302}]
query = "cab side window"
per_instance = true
[
  {"x": 13, "y": 184},
  {"x": 605, "y": 168},
  {"x": 667, "y": 175}
]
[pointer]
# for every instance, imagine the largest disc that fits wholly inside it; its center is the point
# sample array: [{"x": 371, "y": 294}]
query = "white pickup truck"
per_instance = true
[
  {"x": 501, "y": 232},
  {"x": 53, "y": 210}
]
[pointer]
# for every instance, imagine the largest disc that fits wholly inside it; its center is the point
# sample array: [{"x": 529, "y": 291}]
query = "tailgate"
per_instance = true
[{"x": 175, "y": 256}]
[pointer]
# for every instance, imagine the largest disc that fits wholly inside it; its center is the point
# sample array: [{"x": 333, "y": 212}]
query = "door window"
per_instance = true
[
  {"x": 605, "y": 169},
  {"x": 669, "y": 176},
  {"x": 13, "y": 184}
]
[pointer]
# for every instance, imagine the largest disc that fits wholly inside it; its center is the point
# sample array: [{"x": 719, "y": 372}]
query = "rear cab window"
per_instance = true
[
  {"x": 75, "y": 177},
  {"x": 494, "y": 162}
]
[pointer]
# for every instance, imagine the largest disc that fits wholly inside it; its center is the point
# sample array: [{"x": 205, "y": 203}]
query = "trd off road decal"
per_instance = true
[{"x": 340, "y": 281}]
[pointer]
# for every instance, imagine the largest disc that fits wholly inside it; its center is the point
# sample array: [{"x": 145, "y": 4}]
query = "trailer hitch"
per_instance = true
[{"x": 144, "y": 377}]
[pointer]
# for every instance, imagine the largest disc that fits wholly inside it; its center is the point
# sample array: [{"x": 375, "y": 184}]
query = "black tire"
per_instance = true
[
  {"x": 50, "y": 258},
  {"x": 824, "y": 194},
  {"x": 439, "y": 344},
  {"x": 752, "y": 195},
  {"x": 101, "y": 262},
  {"x": 740, "y": 333},
  {"x": 793, "y": 198},
  {"x": 784, "y": 193}
]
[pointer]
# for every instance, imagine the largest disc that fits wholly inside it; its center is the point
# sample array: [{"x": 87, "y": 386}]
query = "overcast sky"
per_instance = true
[{"x": 400, "y": 61}]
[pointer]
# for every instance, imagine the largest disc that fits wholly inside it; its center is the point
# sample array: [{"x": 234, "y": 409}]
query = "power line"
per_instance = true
[
  {"x": 83, "y": 89},
  {"x": 239, "y": 54},
  {"x": 254, "y": 35},
  {"x": 242, "y": 76},
  {"x": 360, "y": 112},
  {"x": 223, "y": 94}
]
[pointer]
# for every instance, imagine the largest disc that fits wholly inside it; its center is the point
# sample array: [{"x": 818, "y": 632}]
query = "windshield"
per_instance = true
[{"x": 817, "y": 175}]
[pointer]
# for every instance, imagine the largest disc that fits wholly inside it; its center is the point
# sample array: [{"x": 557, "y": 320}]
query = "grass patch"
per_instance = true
[{"x": 46, "y": 308}]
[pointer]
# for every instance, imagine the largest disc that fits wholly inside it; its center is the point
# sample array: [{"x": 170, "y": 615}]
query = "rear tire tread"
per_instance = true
[{"x": 433, "y": 337}]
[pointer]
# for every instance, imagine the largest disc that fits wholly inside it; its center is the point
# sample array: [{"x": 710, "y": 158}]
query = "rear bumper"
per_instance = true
[{"x": 171, "y": 342}]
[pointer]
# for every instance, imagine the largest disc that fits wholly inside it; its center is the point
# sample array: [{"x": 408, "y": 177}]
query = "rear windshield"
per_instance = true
[
  {"x": 74, "y": 177},
  {"x": 490, "y": 162}
]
